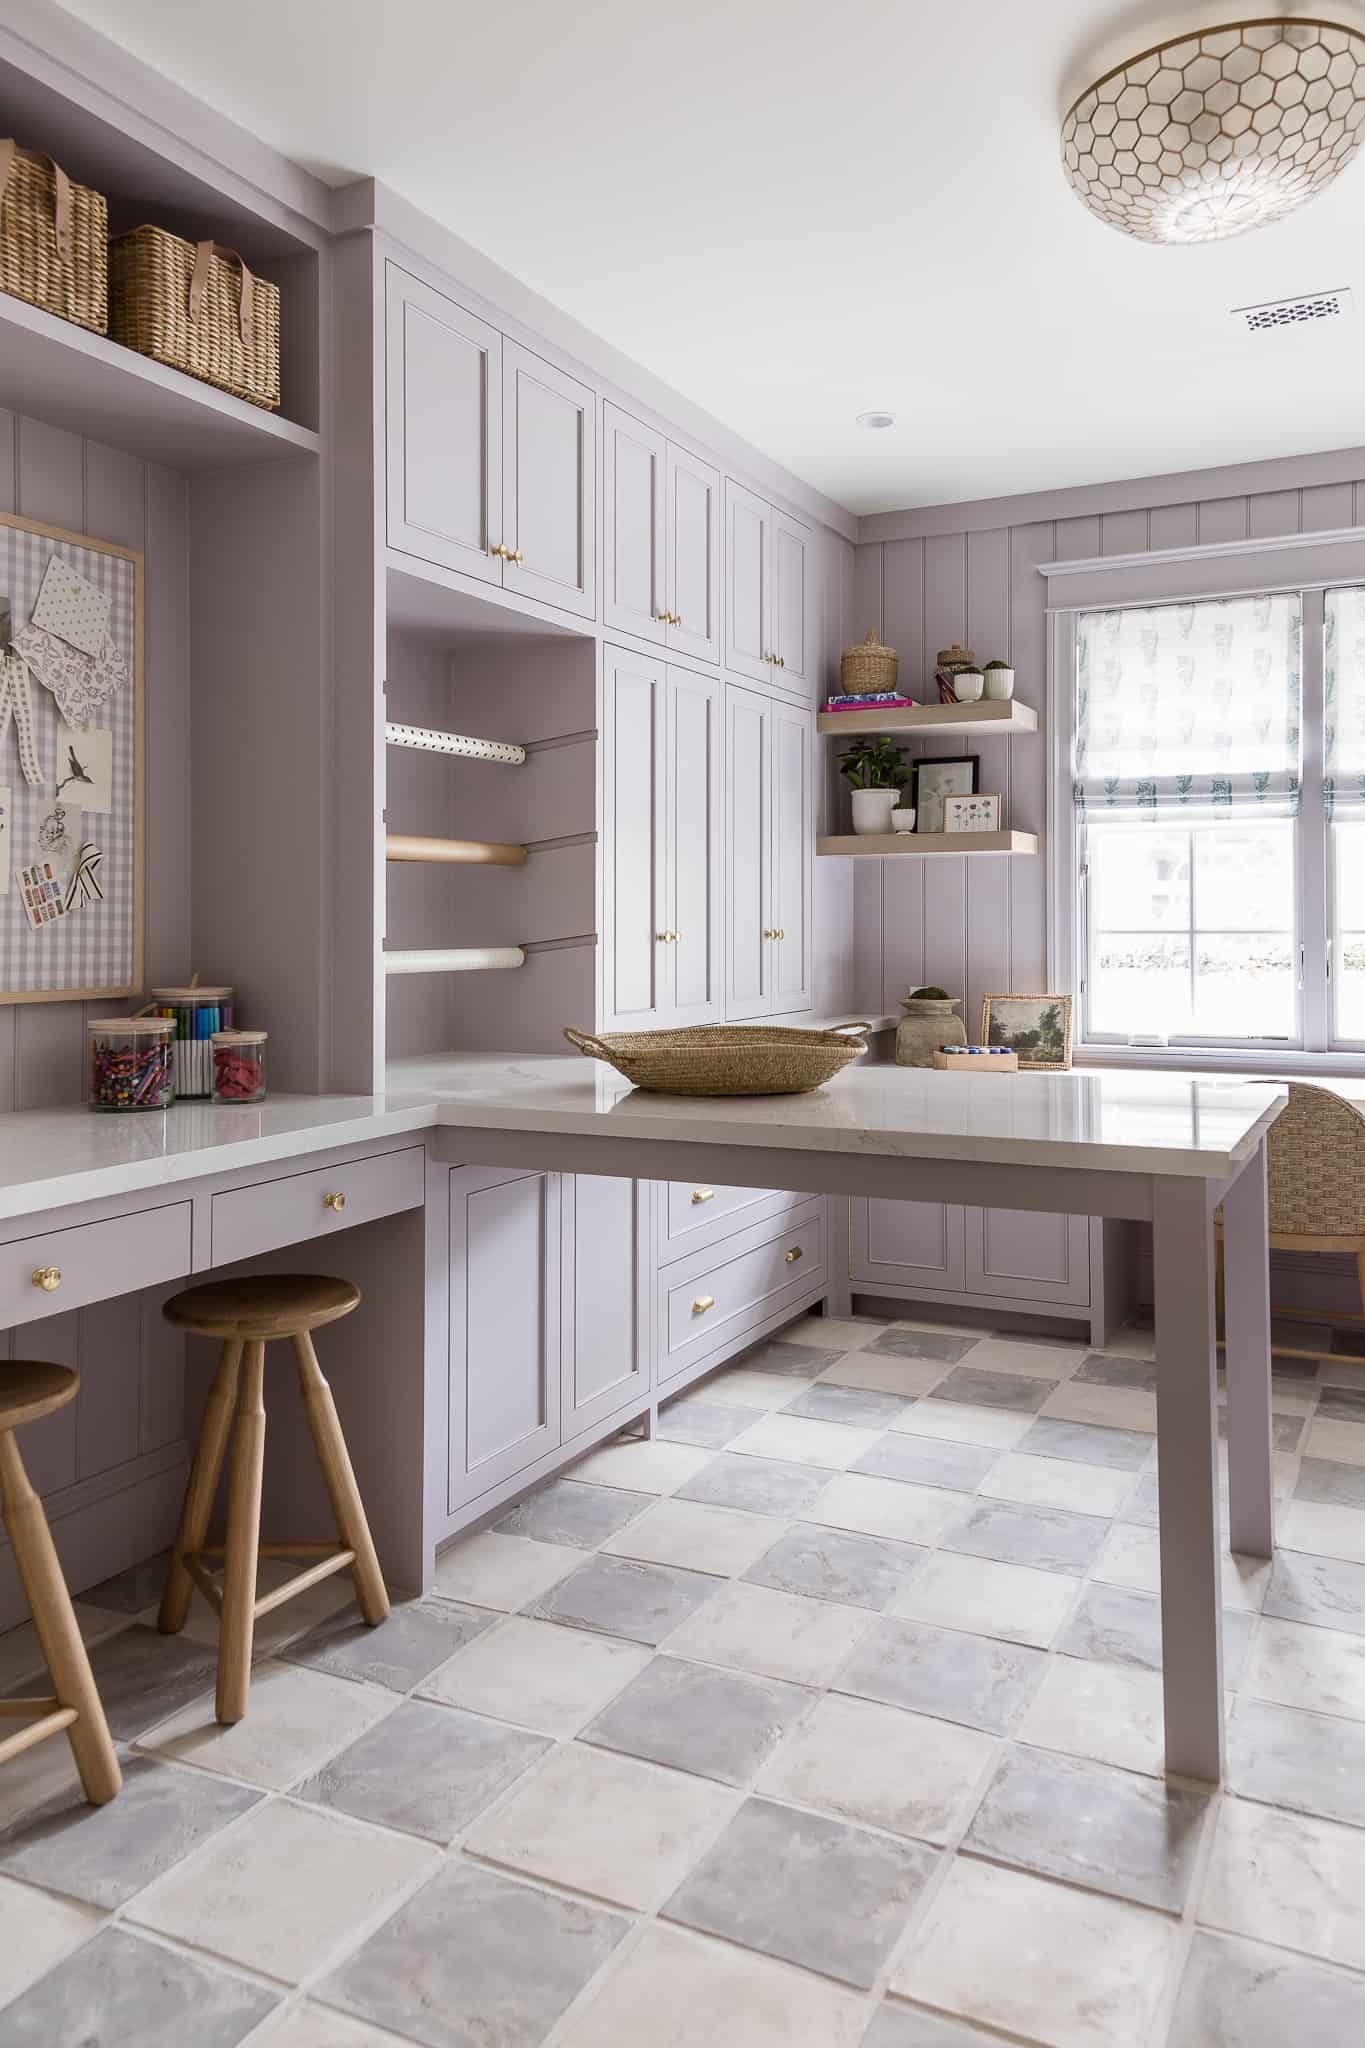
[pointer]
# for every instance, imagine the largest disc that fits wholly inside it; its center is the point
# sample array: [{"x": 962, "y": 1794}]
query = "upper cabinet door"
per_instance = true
[
  {"x": 791, "y": 641},
  {"x": 694, "y": 849},
  {"x": 748, "y": 824},
  {"x": 635, "y": 903},
  {"x": 634, "y": 460},
  {"x": 549, "y": 474},
  {"x": 789, "y": 893},
  {"x": 693, "y": 580},
  {"x": 747, "y": 569},
  {"x": 444, "y": 430}
]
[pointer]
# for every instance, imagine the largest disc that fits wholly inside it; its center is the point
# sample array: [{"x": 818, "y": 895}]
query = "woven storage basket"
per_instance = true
[
  {"x": 724, "y": 1059},
  {"x": 868, "y": 667},
  {"x": 197, "y": 308},
  {"x": 54, "y": 239}
]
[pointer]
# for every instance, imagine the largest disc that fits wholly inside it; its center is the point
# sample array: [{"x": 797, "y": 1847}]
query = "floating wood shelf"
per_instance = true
[
  {"x": 425, "y": 740},
  {"x": 992, "y": 719},
  {"x": 919, "y": 845},
  {"x": 470, "y": 853},
  {"x": 454, "y": 960}
]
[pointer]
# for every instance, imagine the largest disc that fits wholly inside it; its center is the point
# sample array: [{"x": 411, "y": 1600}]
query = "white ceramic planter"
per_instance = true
[
  {"x": 872, "y": 809},
  {"x": 967, "y": 686},
  {"x": 999, "y": 685},
  {"x": 903, "y": 818}
]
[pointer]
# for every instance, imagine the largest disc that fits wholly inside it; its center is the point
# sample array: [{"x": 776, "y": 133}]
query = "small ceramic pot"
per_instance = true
[
  {"x": 999, "y": 684},
  {"x": 969, "y": 684},
  {"x": 903, "y": 818},
  {"x": 872, "y": 809},
  {"x": 929, "y": 1023}
]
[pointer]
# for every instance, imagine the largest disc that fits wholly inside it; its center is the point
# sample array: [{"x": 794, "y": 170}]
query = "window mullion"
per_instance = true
[{"x": 1312, "y": 838}]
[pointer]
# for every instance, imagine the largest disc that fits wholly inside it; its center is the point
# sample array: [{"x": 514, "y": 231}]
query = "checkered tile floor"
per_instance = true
[{"x": 830, "y": 1716}]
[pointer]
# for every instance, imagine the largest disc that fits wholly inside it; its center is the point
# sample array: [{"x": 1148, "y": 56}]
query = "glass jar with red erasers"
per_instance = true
[{"x": 238, "y": 1066}]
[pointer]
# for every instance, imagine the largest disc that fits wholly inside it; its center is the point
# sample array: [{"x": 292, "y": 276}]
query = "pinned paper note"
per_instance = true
[
  {"x": 83, "y": 767},
  {"x": 44, "y": 898},
  {"x": 75, "y": 610},
  {"x": 81, "y": 683}
]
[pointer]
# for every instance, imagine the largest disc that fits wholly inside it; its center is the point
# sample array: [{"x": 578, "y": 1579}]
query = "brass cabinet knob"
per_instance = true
[
  {"x": 675, "y": 936},
  {"x": 49, "y": 1278},
  {"x": 703, "y": 1195},
  {"x": 665, "y": 938},
  {"x": 780, "y": 659},
  {"x": 793, "y": 1255},
  {"x": 702, "y": 1303},
  {"x": 334, "y": 1201},
  {"x": 514, "y": 554},
  {"x": 770, "y": 934},
  {"x": 501, "y": 551},
  {"x": 779, "y": 933}
]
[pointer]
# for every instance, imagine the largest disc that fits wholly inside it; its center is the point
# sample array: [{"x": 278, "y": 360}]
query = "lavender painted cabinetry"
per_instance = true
[
  {"x": 906, "y": 1244},
  {"x": 549, "y": 440},
  {"x": 978, "y": 1256},
  {"x": 661, "y": 539},
  {"x": 1033, "y": 1257},
  {"x": 606, "y": 1269},
  {"x": 769, "y": 634},
  {"x": 768, "y": 841}
]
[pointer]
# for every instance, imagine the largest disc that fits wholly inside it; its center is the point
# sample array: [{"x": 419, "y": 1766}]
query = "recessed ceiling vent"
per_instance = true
[{"x": 1312, "y": 310}]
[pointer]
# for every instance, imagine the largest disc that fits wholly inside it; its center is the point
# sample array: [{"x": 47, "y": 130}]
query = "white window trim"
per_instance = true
[{"x": 1310, "y": 563}]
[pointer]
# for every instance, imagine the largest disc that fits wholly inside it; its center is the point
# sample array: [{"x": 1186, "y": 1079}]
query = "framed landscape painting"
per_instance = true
[{"x": 1038, "y": 1028}]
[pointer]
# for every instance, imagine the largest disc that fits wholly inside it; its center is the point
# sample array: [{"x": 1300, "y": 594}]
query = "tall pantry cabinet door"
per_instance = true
[
  {"x": 444, "y": 429},
  {"x": 549, "y": 483},
  {"x": 747, "y": 569},
  {"x": 792, "y": 748},
  {"x": 748, "y": 828},
  {"x": 606, "y": 1277},
  {"x": 638, "y": 958},
  {"x": 694, "y": 845},
  {"x": 634, "y": 462},
  {"x": 791, "y": 640},
  {"x": 693, "y": 581},
  {"x": 505, "y": 1299}
]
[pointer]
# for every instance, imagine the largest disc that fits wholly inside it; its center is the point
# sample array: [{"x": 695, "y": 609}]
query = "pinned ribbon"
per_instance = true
[
  {"x": 84, "y": 886},
  {"x": 15, "y": 704}
]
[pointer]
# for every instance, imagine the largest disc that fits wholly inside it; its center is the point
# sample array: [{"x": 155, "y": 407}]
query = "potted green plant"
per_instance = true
[
  {"x": 876, "y": 770},
  {"x": 999, "y": 678}
]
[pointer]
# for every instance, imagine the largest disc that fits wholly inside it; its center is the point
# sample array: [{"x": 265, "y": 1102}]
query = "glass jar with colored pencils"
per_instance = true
[{"x": 197, "y": 1012}]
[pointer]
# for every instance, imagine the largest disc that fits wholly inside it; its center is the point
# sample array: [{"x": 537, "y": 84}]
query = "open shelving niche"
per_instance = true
[
  {"x": 490, "y": 824},
  {"x": 987, "y": 723}
]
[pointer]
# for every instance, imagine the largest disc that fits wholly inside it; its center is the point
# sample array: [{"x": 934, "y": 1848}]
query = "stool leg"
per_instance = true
[
  {"x": 55, "y": 1623},
  {"x": 347, "y": 1507},
  {"x": 204, "y": 1474},
  {"x": 243, "y": 1540}
]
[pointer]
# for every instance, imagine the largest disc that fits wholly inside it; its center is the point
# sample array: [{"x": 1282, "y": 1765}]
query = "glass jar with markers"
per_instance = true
[
  {"x": 239, "y": 1066},
  {"x": 130, "y": 1063},
  {"x": 196, "y": 1013}
]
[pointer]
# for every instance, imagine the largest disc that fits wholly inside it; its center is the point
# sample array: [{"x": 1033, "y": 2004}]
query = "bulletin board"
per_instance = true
[{"x": 71, "y": 741}]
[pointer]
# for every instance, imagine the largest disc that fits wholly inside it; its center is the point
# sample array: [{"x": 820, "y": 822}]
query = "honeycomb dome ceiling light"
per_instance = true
[{"x": 1213, "y": 133}]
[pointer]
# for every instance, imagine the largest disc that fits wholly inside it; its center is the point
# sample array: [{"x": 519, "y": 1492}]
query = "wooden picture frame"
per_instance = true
[
  {"x": 126, "y": 817},
  {"x": 933, "y": 800},
  {"x": 1013, "y": 1027}
]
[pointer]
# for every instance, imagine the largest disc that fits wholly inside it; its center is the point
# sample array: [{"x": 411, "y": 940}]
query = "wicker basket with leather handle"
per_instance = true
[
  {"x": 726, "y": 1059},
  {"x": 54, "y": 239},
  {"x": 197, "y": 308}
]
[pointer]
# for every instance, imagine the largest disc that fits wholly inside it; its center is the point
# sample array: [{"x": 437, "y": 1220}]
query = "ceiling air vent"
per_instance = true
[{"x": 1309, "y": 311}]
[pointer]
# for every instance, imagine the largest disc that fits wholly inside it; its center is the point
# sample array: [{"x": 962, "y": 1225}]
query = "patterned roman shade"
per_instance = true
[{"x": 1343, "y": 783}]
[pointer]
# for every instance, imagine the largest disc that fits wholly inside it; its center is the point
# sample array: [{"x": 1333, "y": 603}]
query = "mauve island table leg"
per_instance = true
[{"x": 1246, "y": 1328}]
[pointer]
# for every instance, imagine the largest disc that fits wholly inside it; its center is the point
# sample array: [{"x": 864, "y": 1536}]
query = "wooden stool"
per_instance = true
[
  {"x": 247, "y": 1314},
  {"x": 28, "y": 1391}
]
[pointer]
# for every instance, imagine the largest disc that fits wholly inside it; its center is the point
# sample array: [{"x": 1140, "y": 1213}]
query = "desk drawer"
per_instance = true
[
  {"x": 697, "y": 1213},
  {"x": 93, "y": 1262},
  {"x": 303, "y": 1205},
  {"x": 707, "y": 1304}
]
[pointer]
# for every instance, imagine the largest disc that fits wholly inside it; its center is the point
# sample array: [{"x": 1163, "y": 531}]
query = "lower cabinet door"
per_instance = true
[
  {"x": 606, "y": 1271},
  {"x": 1029, "y": 1254},
  {"x": 505, "y": 1325},
  {"x": 906, "y": 1244}
]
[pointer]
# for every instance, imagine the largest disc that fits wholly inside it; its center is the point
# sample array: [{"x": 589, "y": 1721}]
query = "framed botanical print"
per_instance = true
[
  {"x": 1037, "y": 1028},
  {"x": 971, "y": 813},
  {"x": 935, "y": 780}
]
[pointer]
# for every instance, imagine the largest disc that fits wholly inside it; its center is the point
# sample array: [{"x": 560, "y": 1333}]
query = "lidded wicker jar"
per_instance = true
[{"x": 868, "y": 667}]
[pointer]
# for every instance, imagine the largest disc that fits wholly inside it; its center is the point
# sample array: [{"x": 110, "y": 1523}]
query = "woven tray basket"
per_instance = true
[
  {"x": 725, "y": 1059},
  {"x": 197, "y": 308},
  {"x": 54, "y": 239},
  {"x": 867, "y": 667}
]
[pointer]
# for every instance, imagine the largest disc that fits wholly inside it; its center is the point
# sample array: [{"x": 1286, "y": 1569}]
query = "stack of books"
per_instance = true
[{"x": 878, "y": 700}]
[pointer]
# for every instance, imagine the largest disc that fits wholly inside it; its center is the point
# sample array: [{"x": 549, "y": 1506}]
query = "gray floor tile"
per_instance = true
[
  {"x": 574, "y": 1512},
  {"x": 475, "y": 1960},
  {"x": 616, "y": 1597},
  {"x": 904, "y": 2026},
  {"x": 1322, "y": 1480},
  {"x": 143, "y": 1677},
  {"x": 1286, "y": 1430},
  {"x": 426, "y": 1770},
  {"x": 792, "y": 1361},
  {"x": 104, "y": 1854},
  {"x": 417, "y": 1637},
  {"x": 765, "y": 1486},
  {"x": 1115, "y": 1626},
  {"x": 1342, "y": 1404},
  {"x": 857, "y": 1406},
  {"x": 716, "y": 1724},
  {"x": 993, "y": 1390},
  {"x": 972, "y": 1679},
  {"x": 1087, "y": 1443},
  {"x": 927, "y": 1461},
  {"x": 1308, "y": 1762},
  {"x": 811, "y": 1891},
  {"x": 708, "y": 1424},
  {"x": 832, "y": 1564},
  {"x": 903, "y": 1341},
  {"x": 1323, "y": 1590},
  {"x": 1050, "y": 1538},
  {"x": 1105, "y": 1369},
  {"x": 128, "y": 1592},
  {"x": 1238, "y": 1994},
  {"x": 119, "y": 1990},
  {"x": 1112, "y": 1831}
]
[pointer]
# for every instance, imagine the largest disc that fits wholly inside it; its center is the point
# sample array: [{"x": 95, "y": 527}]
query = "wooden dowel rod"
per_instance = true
[
  {"x": 453, "y": 960},
  {"x": 37, "y": 1731},
  {"x": 25, "y": 1710},
  {"x": 467, "y": 852},
  {"x": 339, "y": 1561},
  {"x": 427, "y": 741}
]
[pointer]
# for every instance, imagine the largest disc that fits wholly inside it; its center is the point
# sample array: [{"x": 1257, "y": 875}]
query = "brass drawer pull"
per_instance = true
[
  {"x": 793, "y": 1255},
  {"x": 702, "y": 1303},
  {"x": 49, "y": 1278},
  {"x": 703, "y": 1195},
  {"x": 334, "y": 1201}
]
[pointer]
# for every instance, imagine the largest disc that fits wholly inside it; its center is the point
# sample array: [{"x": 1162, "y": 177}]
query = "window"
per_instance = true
[{"x": 1218, "y": 775}]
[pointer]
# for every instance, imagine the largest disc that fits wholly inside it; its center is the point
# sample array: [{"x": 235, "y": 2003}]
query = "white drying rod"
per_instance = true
[
  {"x": 453, "y": 960},
  {"x": 427, "y": 741}
]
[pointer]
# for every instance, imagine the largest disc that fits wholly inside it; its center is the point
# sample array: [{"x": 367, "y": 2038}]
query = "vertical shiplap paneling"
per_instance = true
[
  {"x": 167, "y": 813},
  {"x": 945, "y": 880},
  {"x": 1222, "y": 519},
  {"x": 867, "y": 600},
  {"x": 1125, "y": 533},
  {"x": 988, "y": 883},
  {"x": 1027, "y": 963},
  {"x": 1272, "y": 512},
  {"x": 903, "y": 881},
  {"x": 9, "y": 429},
  {"x": 1173, "y": 526},
  {"x": 1326, "y": 508},
  {"x": 1078, "y": 540}
]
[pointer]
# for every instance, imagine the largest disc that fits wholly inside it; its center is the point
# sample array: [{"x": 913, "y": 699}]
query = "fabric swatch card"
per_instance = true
[
  {"x": 79, "y": 682},
  {"x": 83, "y": 766},
  {"x": 76, "y": 611},
  {"x": 6, "y": 816},
  {"x": 43, "y": 893}
]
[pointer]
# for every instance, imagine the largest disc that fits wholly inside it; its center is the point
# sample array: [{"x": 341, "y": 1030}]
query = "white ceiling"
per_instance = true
[{"x": 794, "y": 211}]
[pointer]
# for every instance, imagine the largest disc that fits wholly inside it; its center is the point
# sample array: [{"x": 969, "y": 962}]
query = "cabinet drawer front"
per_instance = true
[
  {"x": 93, "y": 1262},
  {"x": 722, "y": 1299},
  {"x": 256, "y": 1219},
  {"x": 696, "y": 1213}
]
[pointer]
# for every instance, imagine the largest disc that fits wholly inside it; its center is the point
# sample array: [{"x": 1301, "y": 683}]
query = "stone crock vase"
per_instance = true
[
  {"x": 928, "y": 1023},
  {"x": 872, "y": 809}
]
